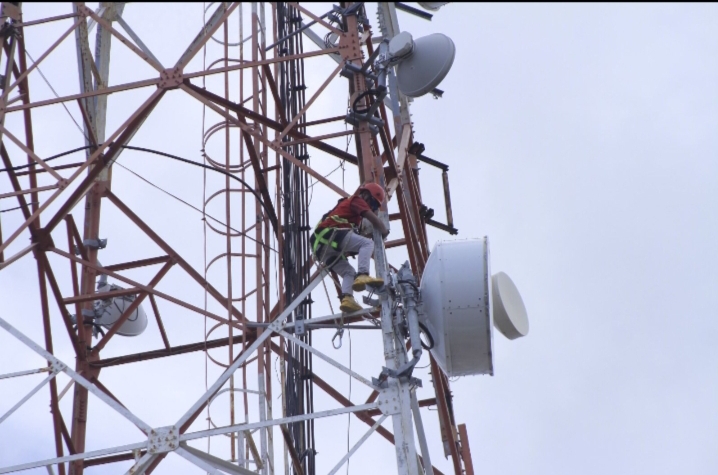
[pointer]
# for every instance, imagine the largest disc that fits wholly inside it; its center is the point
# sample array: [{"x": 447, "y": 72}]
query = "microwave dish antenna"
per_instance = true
[
  {"x": 422, "y": 63},
  {"x": 462, "y": 304},
  {"x": 456, "y": 291},
  {"x": 510, "y": 316},
  {"x": 108, "y": 311},
  {"x": 432, "y": 6}
]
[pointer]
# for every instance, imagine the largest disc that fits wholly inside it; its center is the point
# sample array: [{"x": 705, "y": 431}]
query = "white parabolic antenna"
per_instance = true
[
  {"x": 108, "y": 311},
  {"x": 426, "y": 66},
  {"x": 462, "y": 303},
  {"x": 510, "y": 315},
  {"x": 456, "y": 292},
  {"x": 432, "y": 6}
]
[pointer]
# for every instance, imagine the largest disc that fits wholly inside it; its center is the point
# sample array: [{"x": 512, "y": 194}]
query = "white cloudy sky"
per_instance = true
[{"x": 581, "y": 139}]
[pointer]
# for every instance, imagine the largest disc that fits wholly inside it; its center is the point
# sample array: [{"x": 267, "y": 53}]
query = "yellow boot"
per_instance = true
[
  {"x": 362, "y": 280},
  {"x": 349, "y": 305}
]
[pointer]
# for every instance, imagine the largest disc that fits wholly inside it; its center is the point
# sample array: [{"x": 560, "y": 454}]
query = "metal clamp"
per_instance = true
[
  {"x": 370, "y": 301},
  {"x": 88, "y": 313},
  {"x": 403, "y": 372},
  {"x": 340, "y": 334},
  {"x": 95, "y": 243},
  {"x": 92, "y": 244},
  {"x": 299, "y": 329}
]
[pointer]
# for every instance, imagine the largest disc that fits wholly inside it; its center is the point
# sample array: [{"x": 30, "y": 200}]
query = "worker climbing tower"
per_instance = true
[{"x": 170, "y": 336}]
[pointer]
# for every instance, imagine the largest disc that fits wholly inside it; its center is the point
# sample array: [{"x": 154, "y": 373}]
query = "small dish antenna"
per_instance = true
[
  {"x": 110, "y": 310},
  {"x": 422, "y": 63},
  {"x": 510, "y": 316},
  {"x": 432, "y": 6}
]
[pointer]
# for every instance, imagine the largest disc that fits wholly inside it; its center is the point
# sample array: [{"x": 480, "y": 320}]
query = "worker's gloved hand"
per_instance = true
[{"x": 385, "y": 234}]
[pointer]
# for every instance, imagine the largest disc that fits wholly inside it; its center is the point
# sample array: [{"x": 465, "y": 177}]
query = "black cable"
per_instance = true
[
  {"x": 425, "y": 331},
  {"x": 204, "y": 213},
  {"x": 168, "y": 155},
  {"x": 208, "y": 167},
  {"x": 361, "y": 96},
  {"x": 20, "y": 167},
  {"x": 410, "y": 282},
  {"x": 17, "y": 207}
]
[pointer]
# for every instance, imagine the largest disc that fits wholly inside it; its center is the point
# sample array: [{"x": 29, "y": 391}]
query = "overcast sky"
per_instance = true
[{"x": 580, "y": 138}]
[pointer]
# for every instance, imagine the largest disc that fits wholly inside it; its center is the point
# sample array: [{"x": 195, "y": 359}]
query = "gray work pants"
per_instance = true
[{"x": 352, "y": 243}]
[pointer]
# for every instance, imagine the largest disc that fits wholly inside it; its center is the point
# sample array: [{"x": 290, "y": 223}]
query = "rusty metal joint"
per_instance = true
[
  {"x": 10, "y": 10},
  {"x": 83, "y": 10},
  {"x": 43, "y": 239}
]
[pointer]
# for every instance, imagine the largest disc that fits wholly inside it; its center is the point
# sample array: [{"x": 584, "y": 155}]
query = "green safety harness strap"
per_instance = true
[
  {"x": 320, "y": 239},
  {"x": 323, "y": 237}
]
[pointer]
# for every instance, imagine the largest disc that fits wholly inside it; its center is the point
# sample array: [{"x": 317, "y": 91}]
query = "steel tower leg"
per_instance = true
[{"x": 395, "y": 357}]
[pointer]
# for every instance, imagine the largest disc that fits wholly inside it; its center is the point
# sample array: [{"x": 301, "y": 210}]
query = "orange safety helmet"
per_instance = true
[{"x": 375, "y": 190}]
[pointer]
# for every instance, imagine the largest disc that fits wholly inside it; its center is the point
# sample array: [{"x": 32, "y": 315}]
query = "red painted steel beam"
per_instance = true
[
  {"x": 104, "y": 295},
  {"x": 172, "y": 351},
  {"x": 112, "y": 459},
  {"x": 15, "y": 183},
  {"x": 58, "y": 298},
  {"x": 173, "y": 254},
  {"x": 59, "y": 167},
  {"x": 275, "y": 93},
  {"x": 58, "y": 423},
  {"x": 59, "y": 428},
  {"x": 140, "y": 263},
  {"x": 446, "y": 418},
  {"x": 160, "y": 325},
  {"x": 466, "y": 450},
  {"x": 103, "y": 162},
  {"x": 272, "y": 124}
]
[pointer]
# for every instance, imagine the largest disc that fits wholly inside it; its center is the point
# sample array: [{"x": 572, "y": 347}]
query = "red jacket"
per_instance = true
[{"x": 346, "y": 213}]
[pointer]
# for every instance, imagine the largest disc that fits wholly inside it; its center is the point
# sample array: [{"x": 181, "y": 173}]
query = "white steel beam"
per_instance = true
[
  {"x": 317, "y": 40},
  {"x": 23, "y": 373},
  {"x": 28, "y": 395},
  {"x": 336, "y": 317},
  {"x": 329, "y": 360},
  {"x": 142, "y": 464},
  {"x": 99, "y": 12},
  {"x": 215, "y": 462},
  {"x": 201, "y": 463},
  {"x": 218, "y": 17},
  {"x": 148, "y": 458},
  {"x": 131, "y": 33},
  {"x": 276, "y": 325},
  {"x": 274, "y": 422},
  {"x": 358, "y": 444},
  {"x": 60, "y": 366},
  {"x": 70, "y": 458},
  {"x": 428, "y": 467},
  {"x": 395, "y": 357}
]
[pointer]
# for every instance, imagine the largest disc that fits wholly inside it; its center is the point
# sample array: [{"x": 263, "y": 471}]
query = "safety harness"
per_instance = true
[
  {"x": 319, "y": 237},
  {"x": 330, "y": 237}
]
